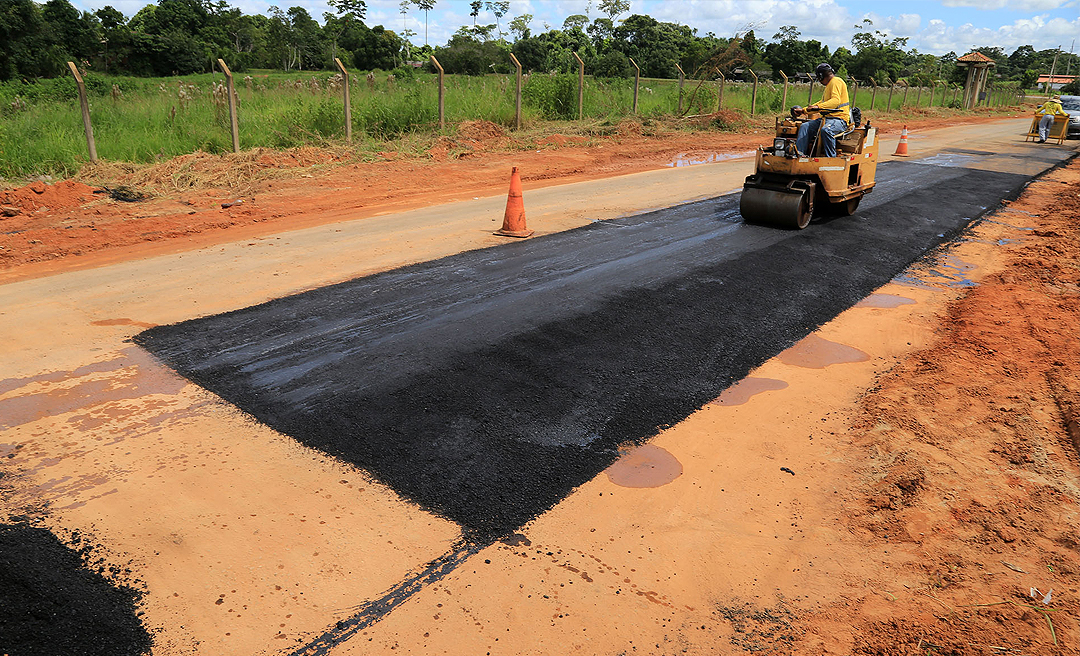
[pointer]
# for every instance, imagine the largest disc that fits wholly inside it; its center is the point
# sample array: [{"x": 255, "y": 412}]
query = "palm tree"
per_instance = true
[{"x": 426, "y": 5}]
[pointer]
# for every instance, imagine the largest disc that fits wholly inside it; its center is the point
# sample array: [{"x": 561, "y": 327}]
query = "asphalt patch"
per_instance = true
[
  {"x": 487, "y": 385},
  {"x": 51, "y": 603}
]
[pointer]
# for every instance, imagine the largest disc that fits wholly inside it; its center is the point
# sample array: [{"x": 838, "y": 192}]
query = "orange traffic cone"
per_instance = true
[
  {"x": 514, "y": 219},
  {"x": 901, "y": 148}
]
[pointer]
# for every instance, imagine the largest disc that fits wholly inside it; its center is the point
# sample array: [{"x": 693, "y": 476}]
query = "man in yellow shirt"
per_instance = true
[
  {"x": 1048, "y": 110},
  {"x": 835, "y": 113}
]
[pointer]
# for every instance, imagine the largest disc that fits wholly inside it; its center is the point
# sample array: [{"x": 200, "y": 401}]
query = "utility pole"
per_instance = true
[
  {"x": 1053, "y": 66},
  {"x": 1068, "y": 67}
]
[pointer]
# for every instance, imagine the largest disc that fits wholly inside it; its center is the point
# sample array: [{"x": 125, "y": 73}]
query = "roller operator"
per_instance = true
[{"x": 835, "y": 111}]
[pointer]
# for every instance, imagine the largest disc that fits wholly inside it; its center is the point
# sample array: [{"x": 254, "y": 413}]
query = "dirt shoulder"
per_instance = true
[
  {"x": 200, "y": 199},
  {"x": 967, "y": 453}
]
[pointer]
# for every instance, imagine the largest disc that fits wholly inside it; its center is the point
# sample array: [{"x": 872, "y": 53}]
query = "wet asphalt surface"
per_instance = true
[{"x": 487, "y": 385}]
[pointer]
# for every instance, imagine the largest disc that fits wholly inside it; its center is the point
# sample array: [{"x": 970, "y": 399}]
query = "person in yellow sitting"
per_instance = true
[
  {"x": 835, "y": 110},
  {"x": 1048, "y": 110}
]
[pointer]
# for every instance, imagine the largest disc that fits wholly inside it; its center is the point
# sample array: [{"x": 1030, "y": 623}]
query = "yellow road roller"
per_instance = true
[{"x": 787, "y": 189}]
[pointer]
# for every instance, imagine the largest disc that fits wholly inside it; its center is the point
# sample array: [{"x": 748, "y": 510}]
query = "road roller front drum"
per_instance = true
[{"x": 788, "y": 206}]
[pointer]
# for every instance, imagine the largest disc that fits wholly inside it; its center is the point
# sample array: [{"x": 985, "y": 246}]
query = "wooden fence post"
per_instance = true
[
  {"x": 720, "y": 97},
  {"x": 783, "y": 103},
  {"x": 348, "y": 106},
  {"x": 580, "y": 87},
  {"x": 810, "y": 96},
  {"x": 888, "y": 104},
  {"x": 918, "y": 97},
  {"x": 85, "y": 105},
  {"x": 517, "y": 95},
  {"x": 873, "y": 94},
  {"x": 753, "y": 94},
  {"x": 232, "y": 105},
  {"x": 933, "y": 90},
  {"x": 442, "y": 106},
  {"x": 854, "y": 91},
  {"x": 637, "y": 80},
  {"x": 907, "y": 87},
  {"x": 682, "y": 77}
]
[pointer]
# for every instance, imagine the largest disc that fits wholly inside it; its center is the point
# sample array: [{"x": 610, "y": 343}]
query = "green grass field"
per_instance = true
[{"x": 143, "y": 120}]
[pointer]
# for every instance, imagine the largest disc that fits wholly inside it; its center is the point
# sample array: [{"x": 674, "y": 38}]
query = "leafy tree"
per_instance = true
[
  {"x": 520, "y": 26},
  {"x": 22, "y": 32},
  {"x": 345, "y": 31},
  {"x": 576, "y": 22},
  {"x": 698, "y": 51},
  {"x": 378, "y": 48},
  {"x": 600, "y": 30},
  {"x": 357, "y": 8},
  {"x": 751, "y": 45},
  {"x": 1028, "y": 79},
  {"x": 612, "y": 64},
  {"x": 72, "y": 32},
  {"x": 787, "y": 53},
  {"x": 655, "y": 46},
  {"x": 876, "y": 56},
  {"x": 532, "y": 52},
  {"x": 114, "y": 31},
  {"x": 480, "y": 33},
  {"x": 499, "y": 9},
  {"x": 1023, "y": 58},
  {"x": 614, "y": 7},
  {"x": 474, "y": 9},
  {"x": 465, "y": 55}
]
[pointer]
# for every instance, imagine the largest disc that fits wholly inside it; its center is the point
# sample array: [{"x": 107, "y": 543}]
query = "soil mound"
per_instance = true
[
  {"x": 480, "y": 130},
  {"x": 60, "y": 196}
]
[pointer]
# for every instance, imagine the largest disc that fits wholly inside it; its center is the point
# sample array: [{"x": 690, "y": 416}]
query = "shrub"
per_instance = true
[{"x": 555, "y": 96}]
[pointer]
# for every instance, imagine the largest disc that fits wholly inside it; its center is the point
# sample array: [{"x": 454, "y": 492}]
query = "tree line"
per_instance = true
[{"x": 179, "y": 37}]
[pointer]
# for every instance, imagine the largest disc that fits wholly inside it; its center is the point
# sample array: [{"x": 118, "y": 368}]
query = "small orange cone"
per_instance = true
[
  {"x": 901, "y": 148},
  {"x": 514, "y": 219}
]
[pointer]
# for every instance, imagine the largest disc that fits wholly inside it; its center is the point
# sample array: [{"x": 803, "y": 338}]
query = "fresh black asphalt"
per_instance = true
[{"x": 487, "y": 385}]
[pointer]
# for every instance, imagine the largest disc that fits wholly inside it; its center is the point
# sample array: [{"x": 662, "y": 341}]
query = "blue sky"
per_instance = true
[{"x": 933, "y": 26}]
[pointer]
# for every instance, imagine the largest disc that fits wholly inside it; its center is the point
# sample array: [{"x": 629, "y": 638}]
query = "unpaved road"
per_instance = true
[{"x": 796, "y": 513}]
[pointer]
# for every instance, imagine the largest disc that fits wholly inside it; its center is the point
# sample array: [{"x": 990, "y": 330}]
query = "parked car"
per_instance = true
[{"x": 1071, "y": 104}]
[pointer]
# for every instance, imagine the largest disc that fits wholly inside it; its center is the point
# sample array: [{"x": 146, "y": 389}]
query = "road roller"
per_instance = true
[{"x": 787, "y": 189}]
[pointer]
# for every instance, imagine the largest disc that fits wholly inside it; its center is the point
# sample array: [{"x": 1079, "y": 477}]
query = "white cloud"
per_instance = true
[
  {"x": 1039, "y": 31},
  {"x": 1016, "y": 5},
  {"x": 824, "y": 20}
]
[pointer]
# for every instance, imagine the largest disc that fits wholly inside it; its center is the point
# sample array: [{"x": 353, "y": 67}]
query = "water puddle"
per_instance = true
[
  {"x": 813, "y": 352},
  {"x": 692, "y": 159},
  {"x": 948, "y": 159},
  {"x": 132, "y": 375},
  {"x": 949, "y": 271},
  {"x": 740, "y": 392},
  {"x": 646, "y": 466},
  {"x": 884, "y": 301}
]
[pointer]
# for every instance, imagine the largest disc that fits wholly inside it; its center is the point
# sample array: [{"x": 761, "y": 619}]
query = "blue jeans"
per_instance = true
[
  {"x": 833, "y": 127},
  {"x": 1045, "y": 123}
]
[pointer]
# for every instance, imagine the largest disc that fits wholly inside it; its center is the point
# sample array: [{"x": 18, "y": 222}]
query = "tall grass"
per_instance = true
[{"x": 143, "y": 119}]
